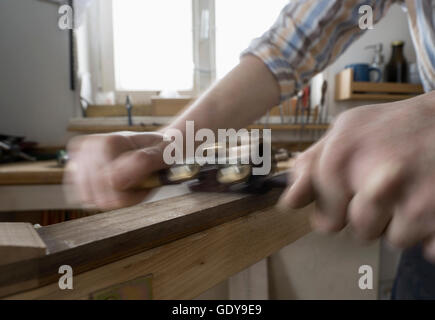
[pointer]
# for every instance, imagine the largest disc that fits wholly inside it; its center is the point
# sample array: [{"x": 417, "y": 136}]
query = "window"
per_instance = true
[
  {"x": 237, "y": 23},
  {"x": 145, "y": 46},
  {"x": 153, "y": 47}
]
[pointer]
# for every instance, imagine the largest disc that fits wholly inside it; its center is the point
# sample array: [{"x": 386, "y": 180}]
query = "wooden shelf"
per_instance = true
[
  {"x": 346, "y": 89},
  {"x": 102, "y": 128},
  {"x": 28, "y": 173}
]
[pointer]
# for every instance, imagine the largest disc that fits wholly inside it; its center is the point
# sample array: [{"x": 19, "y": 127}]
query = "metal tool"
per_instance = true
[
  {"x": 323, "y": 112},
  {"x": 217, "y": 178},
  {"x": 236, "y": 177},
  {"x": 299, "y": 96},
  {"x": 229, "y": 177},
  {"x": 129, "y": 106},
  {"x": 13, "y": 148},
  {"x": 281, "y": 113}
]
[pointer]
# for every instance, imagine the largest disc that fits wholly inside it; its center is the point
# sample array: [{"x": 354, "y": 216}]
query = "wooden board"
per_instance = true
[
  {"x": 85, "y": 126},
  {"x": 168, "y": 107},
  {"x": 39, "y": 172},
  {"x": 185, "y": 268},
  {"x": 117, "y": 110},
  {"x": 90, "y": 242},
  {"x": 19, "y": 241},
  {"x": 347, "y": 89}
]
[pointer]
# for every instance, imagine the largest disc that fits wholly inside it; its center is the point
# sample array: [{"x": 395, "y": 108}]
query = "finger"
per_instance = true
[
  {"x": 131, "y": 168},
  {"x": 371, "y": 209},
  {"x": 300, "y": 193},
  {"x": 82, "y": 187},
  {"x": 429, "y": 249},
  {"x": 106, "y": 198},
  {"x": 332, "y": 190}
]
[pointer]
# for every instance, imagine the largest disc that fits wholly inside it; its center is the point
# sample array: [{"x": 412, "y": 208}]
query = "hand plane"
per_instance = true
[{"x": 237, "y": 177}]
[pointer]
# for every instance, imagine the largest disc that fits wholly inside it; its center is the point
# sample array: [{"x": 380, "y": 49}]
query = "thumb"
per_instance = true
[{"x": 132, "y": 168}]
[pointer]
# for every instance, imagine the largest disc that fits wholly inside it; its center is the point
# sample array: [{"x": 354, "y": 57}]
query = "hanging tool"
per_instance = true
[
  {"x": 13, "y": 148},
  {"x": 323, "y": 113},
  {"x": 281, "y": 113},
  {"x": 129, "y": 106},
  {"x": 299, "y": 96}
]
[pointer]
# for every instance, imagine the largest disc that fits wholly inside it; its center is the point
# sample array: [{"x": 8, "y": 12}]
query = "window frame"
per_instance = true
[{"x": 204, "y": 72}]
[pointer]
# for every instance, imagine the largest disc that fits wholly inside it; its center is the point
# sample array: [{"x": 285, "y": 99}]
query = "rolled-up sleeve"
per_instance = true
[{"x": 308, "y": 36}]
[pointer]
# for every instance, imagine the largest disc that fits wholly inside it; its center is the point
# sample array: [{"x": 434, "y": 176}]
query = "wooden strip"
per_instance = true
[
  {"x": 343, "y": 85},
  {"x": 380, "y": 96},
  {"x": 347, "y": 89},
  {"x": 185, "y": 268},
  {"x": 93, "y": 241},
  {"x": 101, "y": 128},
  {"x": 118, "y": 110},
  {"x": 169, "y": 107},
  {"x": 39, "y": 172},
  {"x": 19, "y": 242},
  {"x": 387, "y": 87}
]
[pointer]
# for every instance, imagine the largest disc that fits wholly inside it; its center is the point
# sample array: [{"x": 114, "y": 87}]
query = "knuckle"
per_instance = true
[
  {"x": 301, "y": 161},
  {"x": 142, "y": 157},
  {"x": 361, "y": 227},
  {"x": 112, "y": 139},
  {"x": 333, "y": 161}
]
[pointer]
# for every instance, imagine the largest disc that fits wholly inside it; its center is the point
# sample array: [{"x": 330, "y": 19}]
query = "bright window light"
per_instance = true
[
  {"x": 153, "y": 44},
  {"x": 237, "y": 23}
]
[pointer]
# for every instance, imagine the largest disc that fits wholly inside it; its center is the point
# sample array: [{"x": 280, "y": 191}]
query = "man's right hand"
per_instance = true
[{"x": 104, "y": 169}]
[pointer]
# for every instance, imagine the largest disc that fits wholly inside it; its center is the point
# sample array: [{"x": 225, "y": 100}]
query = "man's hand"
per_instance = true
[
  {"x": 374, "y": 170},
  {"x": 104, "y": 169}
]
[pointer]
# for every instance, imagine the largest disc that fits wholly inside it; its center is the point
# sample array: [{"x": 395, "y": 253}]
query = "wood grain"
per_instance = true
[
  {"x": 19, "y": 241},
  {"x": 39, "y": 172},
  {"x": 117, "y": 110},
  {"x": 102, "y": 127},
  {"x": 94, "y": 241},
  {"x": 185, "y": 268}
]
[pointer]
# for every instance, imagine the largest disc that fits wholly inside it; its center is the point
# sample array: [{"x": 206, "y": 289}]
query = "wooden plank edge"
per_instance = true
[
  {"x": 185, "y": 268},
  {"x": 38, "y": 272}
]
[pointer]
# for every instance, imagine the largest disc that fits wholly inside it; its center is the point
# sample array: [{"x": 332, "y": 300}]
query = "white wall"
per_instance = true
[{"x": 35, "y": 97}]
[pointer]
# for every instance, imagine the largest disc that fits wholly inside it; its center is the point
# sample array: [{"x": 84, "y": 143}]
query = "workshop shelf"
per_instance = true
[{"x": 346, "y": 89}]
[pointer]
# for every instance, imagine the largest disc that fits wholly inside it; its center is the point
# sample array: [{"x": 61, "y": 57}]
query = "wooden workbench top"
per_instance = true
[
  {"x": 48, "y": 172},
  {"x": 187, "y": 244},
  {"x": 24, "y": 173}
]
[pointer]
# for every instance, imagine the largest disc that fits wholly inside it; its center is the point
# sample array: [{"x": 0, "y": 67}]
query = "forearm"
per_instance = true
[{"x": 241, "y": 97}]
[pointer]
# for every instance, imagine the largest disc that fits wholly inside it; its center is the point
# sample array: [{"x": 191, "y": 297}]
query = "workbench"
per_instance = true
[
  {"x": 182, "y": 246},
  {"x": 185, "y": 244}
]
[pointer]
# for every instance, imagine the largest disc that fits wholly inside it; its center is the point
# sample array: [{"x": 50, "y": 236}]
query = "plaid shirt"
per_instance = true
[{"x": 311, "y": 34}]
